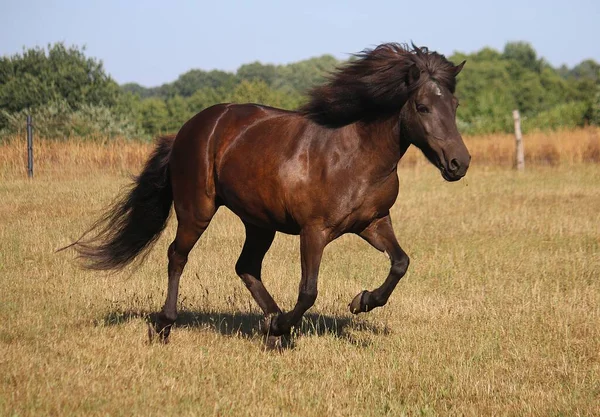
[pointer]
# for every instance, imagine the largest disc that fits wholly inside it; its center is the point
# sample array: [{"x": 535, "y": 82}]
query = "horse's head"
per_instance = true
[
  {"x": 391, "y": 79},
  {"x": 428, "y": 118}
]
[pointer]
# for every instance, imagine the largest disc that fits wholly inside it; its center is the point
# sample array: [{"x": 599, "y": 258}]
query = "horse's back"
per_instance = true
[{"x": 227, "y": 153}]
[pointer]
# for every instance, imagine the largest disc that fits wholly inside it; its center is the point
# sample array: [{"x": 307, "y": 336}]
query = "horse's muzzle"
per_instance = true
[{"x": 455, "y": 169}]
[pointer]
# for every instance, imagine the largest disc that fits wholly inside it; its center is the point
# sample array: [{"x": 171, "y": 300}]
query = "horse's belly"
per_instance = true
[{"x": 259, "y": 201}]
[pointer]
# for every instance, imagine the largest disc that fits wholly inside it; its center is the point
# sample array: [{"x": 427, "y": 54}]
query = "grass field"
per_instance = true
[{"x": 499, "y": 313}]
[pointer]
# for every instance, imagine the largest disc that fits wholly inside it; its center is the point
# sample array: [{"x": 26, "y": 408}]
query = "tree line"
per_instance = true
[{"x": 71, "y": 94}]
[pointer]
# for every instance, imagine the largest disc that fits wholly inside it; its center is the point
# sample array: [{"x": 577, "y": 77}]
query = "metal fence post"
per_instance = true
[{"x": 29, "y": 147}]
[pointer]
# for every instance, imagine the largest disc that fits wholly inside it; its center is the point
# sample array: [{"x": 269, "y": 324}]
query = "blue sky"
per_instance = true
[{"x": 152, "y": 42}]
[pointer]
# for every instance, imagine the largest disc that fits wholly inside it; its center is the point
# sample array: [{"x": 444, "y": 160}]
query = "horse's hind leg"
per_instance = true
[
  {"x": 249, "y": 265},
  {"x": 380, "y": 235},
  {"x": 188, "y": 233}
]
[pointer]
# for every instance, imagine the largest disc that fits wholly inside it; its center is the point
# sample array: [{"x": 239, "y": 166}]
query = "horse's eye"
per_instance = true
[{"x": 421, "y": 108}]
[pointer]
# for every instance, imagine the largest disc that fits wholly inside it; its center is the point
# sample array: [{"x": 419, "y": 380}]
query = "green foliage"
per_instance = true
[
  {"x": 66, "y": 92},
  {"x": 190, "y": 82},
  {"x": 38, "y": 77},
  {"x": 179, "y": 113},
  {"x": 136, "y": 89},
  {"x": 70, "y": 94},
  {"x": 523, "y": 55},
  {"x": 556, "y": 88},
  {"x": 257, "y": 91},
  {"x": 528, "y": 92},
  {"x": 258, "y": 72},
  {"x": 155, "y": 115},
  {"x": 587, "y": 69},
  {"x": 206, "y": 97},
  {"x": 58, "y": 120},
  {"x": 128, "y": 108},
  {"x": 485, "y": 102},
  {"x": 595, "y": 108},
  {"x": 254, "y": 91},
  {"x": 493, "y": 84},
  {"x": 565, "y": 116}
]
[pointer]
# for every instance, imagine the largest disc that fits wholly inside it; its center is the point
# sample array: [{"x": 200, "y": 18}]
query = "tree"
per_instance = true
[
  {"x": 485, "y": 54},
  {"x": 588, "y": 69},
  {"x": 26, "y": 91},
  {"x": 256, "y": 91},
  {"x": 154, "y": 115},
  {"x": 190, "y": 82},
  {"x": 529, "y": 93},
  {"x": 486, "y": 99},
  {"x": 38, "y": 77},
  {"x": 258, "y": 72},
  {"x": 206, "y": 97},
  {"x": 301, "y": 76},
  {"x": 595, "y": 108},
  {"x": 63, "y": 88},
  {"x": 556, "y": 88},
  {"x": 179, "y": 113},
  {"x": 523, "y": 54},
  {"x": 135, "y": 88}
]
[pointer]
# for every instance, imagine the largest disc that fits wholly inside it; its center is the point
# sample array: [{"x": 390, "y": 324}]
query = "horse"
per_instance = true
[{"x": 327, "y": 169}]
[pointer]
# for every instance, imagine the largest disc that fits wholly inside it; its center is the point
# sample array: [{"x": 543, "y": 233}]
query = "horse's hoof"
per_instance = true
[
  {"x": 272, "y": 327},
  {"x": 274, "y": 340},
  {"x": 266, "y": 323},
  {"x": 274, "y": 343},
  {"x": 159, "y": 330},
  {"x": 155, "y": 335},
  {"x": 357, "y": 305},
  {"x": 278, "y": 343}
]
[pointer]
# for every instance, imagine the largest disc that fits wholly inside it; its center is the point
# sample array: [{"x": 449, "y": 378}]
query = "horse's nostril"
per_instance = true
[{"x": 454, "y": 166}]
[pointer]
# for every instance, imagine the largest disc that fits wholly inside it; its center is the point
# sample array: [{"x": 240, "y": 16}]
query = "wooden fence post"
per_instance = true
[{"x": 520, "y": 153}]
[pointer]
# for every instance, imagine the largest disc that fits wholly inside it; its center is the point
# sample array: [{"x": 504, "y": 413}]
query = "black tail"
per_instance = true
[{"x": 135, "y": 221}]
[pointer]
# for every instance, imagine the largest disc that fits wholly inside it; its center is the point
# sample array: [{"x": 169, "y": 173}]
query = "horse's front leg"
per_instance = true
[
  {"x": 380, "y": 235},
  {"x": 312, "y": 243}
]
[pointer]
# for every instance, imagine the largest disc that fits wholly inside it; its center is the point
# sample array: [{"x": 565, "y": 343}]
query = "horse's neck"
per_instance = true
[
  {"x": 383, "y": 136},
  {"x": 404, "y": 144}
]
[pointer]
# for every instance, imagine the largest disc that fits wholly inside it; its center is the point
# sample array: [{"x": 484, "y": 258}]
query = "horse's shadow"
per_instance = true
[{"x": 248, "y": 325}]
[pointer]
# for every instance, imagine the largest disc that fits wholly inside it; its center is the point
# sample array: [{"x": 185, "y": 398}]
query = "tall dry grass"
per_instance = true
[
  {"x": 541, "y": 148},
  {"x": 118, "y": 155},
  {"x": 62, "y": 158}
]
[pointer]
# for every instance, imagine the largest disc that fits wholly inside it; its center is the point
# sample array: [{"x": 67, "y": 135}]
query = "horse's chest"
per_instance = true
[{"x": 367, "y": 201}]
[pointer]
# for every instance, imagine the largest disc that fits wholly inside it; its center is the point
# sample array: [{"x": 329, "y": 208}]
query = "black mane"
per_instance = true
[{"x": 378, "y": 83}]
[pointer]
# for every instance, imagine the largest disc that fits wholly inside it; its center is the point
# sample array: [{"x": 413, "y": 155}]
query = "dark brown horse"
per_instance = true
[{"x": 320, "y": 172}]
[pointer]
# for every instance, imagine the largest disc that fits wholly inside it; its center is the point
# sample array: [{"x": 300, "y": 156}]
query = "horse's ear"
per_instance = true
[
  {"x": 413, "y": 74},
  {"x": 459, "y": 68}
]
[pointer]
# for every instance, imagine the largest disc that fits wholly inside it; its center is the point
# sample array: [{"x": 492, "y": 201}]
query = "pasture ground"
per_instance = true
[{"x": 498, "y": 314}]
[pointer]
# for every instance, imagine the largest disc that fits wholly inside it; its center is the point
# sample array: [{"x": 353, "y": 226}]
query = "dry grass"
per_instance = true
[
  {"x": 541, "y": 148},
  {"x": 58, "y": 158},
  {"x": 498, "y": 314},
  {"x": 65, "y": 158}
]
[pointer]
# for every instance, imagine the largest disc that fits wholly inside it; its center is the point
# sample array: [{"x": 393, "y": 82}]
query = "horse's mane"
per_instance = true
[{"x": 378, "y": 83}]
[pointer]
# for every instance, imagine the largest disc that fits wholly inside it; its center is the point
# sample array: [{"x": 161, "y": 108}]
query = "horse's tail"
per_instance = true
[{"x": 135, "y": 220}]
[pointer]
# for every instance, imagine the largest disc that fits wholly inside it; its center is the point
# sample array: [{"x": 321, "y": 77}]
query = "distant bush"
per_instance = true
[
  {"x": 58, "y": 121},
  {"x": 562, "y": 116}
]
